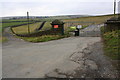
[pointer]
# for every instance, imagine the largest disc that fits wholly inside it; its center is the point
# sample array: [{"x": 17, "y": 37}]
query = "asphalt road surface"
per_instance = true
[
  {"x": 36, "y": 59},
  {"x": 22, "y": 59}
]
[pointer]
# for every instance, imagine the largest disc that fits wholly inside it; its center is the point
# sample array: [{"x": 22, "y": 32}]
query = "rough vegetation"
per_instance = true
[
  {"x": 111, "y": 41},
  {"x": 43, "y": 38}
]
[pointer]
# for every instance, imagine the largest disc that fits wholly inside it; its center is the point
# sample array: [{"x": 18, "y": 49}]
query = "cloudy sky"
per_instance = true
[{"x": 55, "y": 7}]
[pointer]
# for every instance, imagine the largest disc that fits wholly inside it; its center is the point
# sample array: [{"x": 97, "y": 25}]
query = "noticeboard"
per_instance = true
[
  {"x": 79, "y": 26},
  {"x": 56, "y": 26}
]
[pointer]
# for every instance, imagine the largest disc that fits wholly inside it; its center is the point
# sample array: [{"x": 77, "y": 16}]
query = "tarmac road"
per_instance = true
[
  {"x": 36, "y": 59},
  {"x": 22, "y": 59}
]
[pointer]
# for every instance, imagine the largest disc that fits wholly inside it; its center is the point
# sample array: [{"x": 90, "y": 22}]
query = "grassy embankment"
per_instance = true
[
  {"x": 111, "y": 43},
  {"x": 112, "y": 47},
  {"x": 24, "y": 29},
  {"x": 44, "y": 38}
]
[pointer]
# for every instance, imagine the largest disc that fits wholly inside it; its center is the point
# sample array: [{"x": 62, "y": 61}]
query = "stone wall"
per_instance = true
[
  {"x": 112, "y": 25},
  {"x": 36, "y": 34}
]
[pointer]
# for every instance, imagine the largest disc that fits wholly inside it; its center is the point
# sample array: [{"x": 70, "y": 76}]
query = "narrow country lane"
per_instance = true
[{"x": 55, "y": 58}]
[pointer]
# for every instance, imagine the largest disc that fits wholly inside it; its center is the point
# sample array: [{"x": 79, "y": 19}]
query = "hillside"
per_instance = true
[
  {"x": 95, "y": 19},
  {"x": 43, "y": 17}
]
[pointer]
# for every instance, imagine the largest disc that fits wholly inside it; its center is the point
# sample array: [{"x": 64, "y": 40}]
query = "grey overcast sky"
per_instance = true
[{"x": 55, "y": 7}]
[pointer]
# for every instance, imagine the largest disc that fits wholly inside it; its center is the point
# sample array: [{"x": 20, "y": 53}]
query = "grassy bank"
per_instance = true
[
  {"x": 43, "y": 38},
  {"x": 24, "y": 29},
  {"x": 111, "y": 44}
]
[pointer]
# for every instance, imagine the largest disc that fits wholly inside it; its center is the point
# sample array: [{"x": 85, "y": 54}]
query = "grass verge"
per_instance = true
[
  {"x": 111, "y": 44},
  {"x": 44, "y": 38}
]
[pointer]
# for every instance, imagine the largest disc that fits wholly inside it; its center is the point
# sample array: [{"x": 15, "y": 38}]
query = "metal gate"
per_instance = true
[{"x": 92, "y": 30}]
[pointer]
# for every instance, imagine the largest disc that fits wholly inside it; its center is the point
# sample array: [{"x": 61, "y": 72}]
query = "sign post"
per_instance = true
[
  {"x": 114, "y": 7},
  {"x": 28, "y": 22},
  {"x": 79, "y": 26},
  {"x": 119, "y": 10},
  {"x": 56, "y": 26}
]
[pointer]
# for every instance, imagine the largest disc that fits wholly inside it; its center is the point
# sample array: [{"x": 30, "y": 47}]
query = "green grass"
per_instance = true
[
  {"x": 47, "y": 26},
  {"x": 43, "y": 38},
  {"x": 4, "y": 25},
  {"x": 14, "y": 20},
  {"x": 13, "y": 23},
  {"x": 9, "y": 23},
  {"x": 111, "y": 44},
  {"x": 24, "y": 29}
]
